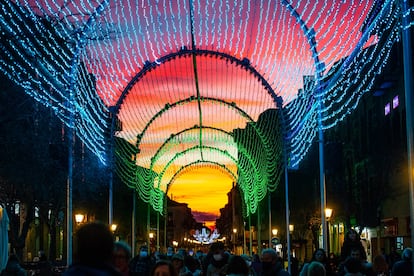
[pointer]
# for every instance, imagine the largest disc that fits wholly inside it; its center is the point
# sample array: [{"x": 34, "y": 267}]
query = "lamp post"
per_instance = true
[
  {"x": 244, "y": 237},
  {"x": 234, "y": 239},
  {"x": 151, "y": 237},
  {"x": 328, "y": 215},
  {"x": 274, "y": 235}
]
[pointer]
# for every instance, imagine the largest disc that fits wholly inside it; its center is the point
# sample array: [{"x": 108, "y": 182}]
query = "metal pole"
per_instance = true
[
  {"x": 148, "y": 228},
  {"x": 250, "y": 236},
  {"x": 233, "y": 215},
  {"x": 165, "y": 222},
  {"x": 408, "y": 73},
  {"x": 322, "y": 178},
  {"x": 244, "y": 237},
  {"x": 259, "y": 230},
  {"x": 133, "y": 222},
  {"x": 269, "y": 205},
  {"x": 287, "y": 218},
  {"x": 69, "y": 216},
  {"x": 110, "y": 200},
  {"x": 285, "y": 163},
  {"x": 158, "y": 231},
  {"x": 111, "y": 168}
]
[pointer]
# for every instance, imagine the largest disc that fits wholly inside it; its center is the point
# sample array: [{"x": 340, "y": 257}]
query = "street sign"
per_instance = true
[{"x": 275, "y": 241}]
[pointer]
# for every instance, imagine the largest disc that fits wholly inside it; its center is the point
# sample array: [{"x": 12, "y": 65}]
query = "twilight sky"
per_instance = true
[
  {"x": 205, "y": 191},
  {"x": 269, "y": 34},
  {"x": 265, "y": 32}
]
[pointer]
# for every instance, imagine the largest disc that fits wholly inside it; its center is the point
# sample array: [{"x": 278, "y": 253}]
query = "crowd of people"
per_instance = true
[{"x": 97, "y": 254}]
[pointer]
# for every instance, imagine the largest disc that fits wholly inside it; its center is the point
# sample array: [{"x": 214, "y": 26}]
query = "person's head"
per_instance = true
[
  {"x": 355, "y": 253},
  {"x": 199, "y": 254},
  {"x": 94, "y": 244},
  {"x": 352, "y": 235},
  {"x": 163, "y": 268},
  {"x": 42, "y": 256},
  {"x": 191, "y": 263},
  {"x": 247, "y": 259},
  {"x": 407, "y": 254},
  {"x": 217, "y": 249},
  {"x": 316, "y": 269},
  {"x": 319, "y": 255},
  {"x": 268, "y": 258},
  {"x": 143, "y": 251},
  {"x": 182, "y": 251},
  {"x": 177, "y": 261},
  {"x": 122, "y": 255},
  {"x": 237, "y": 265},
  {"x": 352, "y": 265},
  {"x": 379, "y": 264}
]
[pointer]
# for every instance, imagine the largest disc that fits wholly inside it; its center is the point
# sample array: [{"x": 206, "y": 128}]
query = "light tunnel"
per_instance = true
[{"x": 125, "y": 62}]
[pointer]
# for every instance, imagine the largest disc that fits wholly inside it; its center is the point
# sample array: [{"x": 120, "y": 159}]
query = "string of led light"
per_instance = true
[{"x": 40, "y": 41}]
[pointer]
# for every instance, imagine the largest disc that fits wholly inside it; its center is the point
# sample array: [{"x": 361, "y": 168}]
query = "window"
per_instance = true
[
  {"x": 387, "y": 109},
  {"x": 395, "y": 102}
]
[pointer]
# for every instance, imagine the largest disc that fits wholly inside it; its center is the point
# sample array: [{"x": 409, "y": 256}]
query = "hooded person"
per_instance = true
[{"x": 403, "y": 267}]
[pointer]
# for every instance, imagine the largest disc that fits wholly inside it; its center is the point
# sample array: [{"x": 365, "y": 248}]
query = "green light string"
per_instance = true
[{"x": 109, "y": 44}]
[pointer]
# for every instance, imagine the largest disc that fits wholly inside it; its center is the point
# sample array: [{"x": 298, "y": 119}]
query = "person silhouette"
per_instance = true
[{"x": 94, "y": 246}]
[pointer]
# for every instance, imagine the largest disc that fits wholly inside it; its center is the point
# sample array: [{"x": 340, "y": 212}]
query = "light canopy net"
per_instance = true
[{"x": 175, "y": 85}]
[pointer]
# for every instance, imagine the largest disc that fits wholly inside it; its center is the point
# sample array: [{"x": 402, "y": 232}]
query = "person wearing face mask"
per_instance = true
[
  {"x": 271, "y": 264},
  {"x": 141, "y": 264},
  {"x": 249, "y": 262},
  {"x": 218, "y": 259}
]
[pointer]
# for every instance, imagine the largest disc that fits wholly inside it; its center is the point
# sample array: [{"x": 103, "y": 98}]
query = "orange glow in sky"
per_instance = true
[
  {"x": 265, "y": 33},
  {"x": 205, "y": 191},
  {"x": 123, "y": 45}
]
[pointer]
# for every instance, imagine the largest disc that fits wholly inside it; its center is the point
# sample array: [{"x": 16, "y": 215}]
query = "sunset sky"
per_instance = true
[
  {"x": 127, "y": 37},
  {"x": 205, "y": 191},
  {"x": 275, "y": 46}
]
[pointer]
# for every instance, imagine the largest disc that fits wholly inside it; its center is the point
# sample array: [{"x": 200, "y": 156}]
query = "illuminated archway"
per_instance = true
[{"x": 78, "y": 58}]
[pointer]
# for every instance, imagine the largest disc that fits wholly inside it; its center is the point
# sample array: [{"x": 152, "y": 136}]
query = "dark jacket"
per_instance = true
[
  {"x": 82, "y": 270},
  {"x": 13, "y": 268},
  {"x": 276, "y": 270},
  {"x": 402, "y": 268}
]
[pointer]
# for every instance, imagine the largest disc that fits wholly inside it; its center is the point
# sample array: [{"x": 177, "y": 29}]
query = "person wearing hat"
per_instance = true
[{"x": 178, "y": 263}]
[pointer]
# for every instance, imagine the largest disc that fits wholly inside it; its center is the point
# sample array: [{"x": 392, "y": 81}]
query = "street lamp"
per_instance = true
[
  {"x": 291, "y": 228},
  {"x": 114, "y": 227},
  {"x": 175, "y": 243},
  {"x": 79, "y": 218},
  {"x": 274, "y": 232},
  {"x": 328, "y": 215}
]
